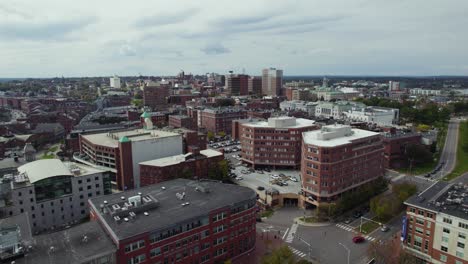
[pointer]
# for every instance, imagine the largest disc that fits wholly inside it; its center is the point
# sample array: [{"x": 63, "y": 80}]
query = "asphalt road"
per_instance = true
[{"x": 449, "y": 154}]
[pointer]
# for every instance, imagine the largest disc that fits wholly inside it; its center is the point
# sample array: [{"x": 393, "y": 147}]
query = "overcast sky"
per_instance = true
[{"x": 48, "y": 38}]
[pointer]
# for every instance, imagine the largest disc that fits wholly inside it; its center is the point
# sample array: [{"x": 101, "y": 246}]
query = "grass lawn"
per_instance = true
[
  {"x": 462, "y": 153},
  {"x": 48, "y": 156},
  {"x": 53, "y": 149},
  {"x": 267, "y": 213},
  {"x": 310, "y": 219},
  {"x": 368, "y": 227}
]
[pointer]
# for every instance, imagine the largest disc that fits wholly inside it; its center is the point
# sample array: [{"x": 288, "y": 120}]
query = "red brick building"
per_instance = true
[
  {"x": 237, "y": 84},
  {"x": 219, "y": 119},
  {"x": 435, "y": 226},
  {"x": 156, "y": 96},
  {"x": 179, "y": 221},
  {"x": 182, "y": 121},
  {"x": 395, "y": 144},
  {"x": 337, "y": 159},
  {"x": 194, "y": 165},
  {"x": 276, "y": 142}
]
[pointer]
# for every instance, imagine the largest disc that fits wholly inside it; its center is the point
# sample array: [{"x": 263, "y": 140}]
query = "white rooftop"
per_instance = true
[
  {"x": 335, "y": 135},
  {"x": 173, "y": 160},
  {"x": 282, "y": 122},
  {"x": 111, "y": 139}
]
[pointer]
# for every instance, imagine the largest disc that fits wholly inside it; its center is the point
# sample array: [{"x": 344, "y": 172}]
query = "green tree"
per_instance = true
[
  {"x": 282, "y": 255},
  {"x": 210, "y": 135},
  {"x": 418, "y": 153},
  {"x": 222, "y": 134}
]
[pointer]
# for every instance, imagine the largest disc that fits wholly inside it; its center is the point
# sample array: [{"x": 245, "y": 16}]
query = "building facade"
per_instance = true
[
  {"x": 381, "y": 116},
  {"x": 179, "y": 221},
  {"x": 54, "y": 193},
  {"x": 435, "y": 227},
  {"x": 337, "y": 159},
  {"x": 272, "y": 81},
  {"x": 276, "y": 142},
  {"x": 219, "y": 119},
  {"x": 237, "y": 84},
  {"x": 156, "y": 96}
]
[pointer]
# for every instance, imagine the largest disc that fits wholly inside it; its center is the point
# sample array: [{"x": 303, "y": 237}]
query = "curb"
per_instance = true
[{"x": 300, "y": 222}]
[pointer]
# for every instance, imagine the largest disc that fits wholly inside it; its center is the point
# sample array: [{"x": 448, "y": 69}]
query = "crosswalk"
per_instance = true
[
  {"x": 291, "y": 233},
  {"x": 298, "y": 252},
  {"x": 351, "y": 229}
]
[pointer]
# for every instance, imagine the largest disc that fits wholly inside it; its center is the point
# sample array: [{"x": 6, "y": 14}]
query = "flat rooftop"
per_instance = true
[
  {"x": 78, "y": 244},
  {"x": 445, "y": 197},
  {"x": 335, "y": 135},
  {"x": 176, "y": 159},
  {"x": 163, "y": 206},
  {"x": 111, "y": 139},
  {"x": 282, "y": 122}
]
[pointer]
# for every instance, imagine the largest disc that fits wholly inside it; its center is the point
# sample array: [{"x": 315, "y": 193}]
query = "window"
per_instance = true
[
  {"x": 443, "y": 258},
  {"x": 138, "y": 259},
  {"x": 460, "y": 254},
  {"x": 463, "y": 225},
  {"x": 428, "y": 224},
  {"x": 444, "y": 249},
  {"x": 446, "y": 230},
  {"x": 420, "y": 212},
  {"x": 445, "y": 239},
  {"x": 447, "y": 220},
  {"x": 155, "y": 252},
  {"x": 88, "y": 180},
  {"x": 462, "y": 235},
  {"x": 80, "y": 189},
  {"x": 419, "y": 230},
  {"x": 80, "y": 181},
  {"x": 419, "y": 221},
  {"x": 412, "y": 210},
  {"x": 430, "y": 215},
  {"x": 134, "y": 246},
  {"x": 89, "y": 187},
  {"x": 460, "y": 245}
]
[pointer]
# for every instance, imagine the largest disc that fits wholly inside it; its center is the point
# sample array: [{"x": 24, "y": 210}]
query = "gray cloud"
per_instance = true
[
  {"x": 215, "y": 49},
  {"x": 127, "y": 50},
  {"x": 166, "y": 19},
  {"x": 32, "y": 30}
]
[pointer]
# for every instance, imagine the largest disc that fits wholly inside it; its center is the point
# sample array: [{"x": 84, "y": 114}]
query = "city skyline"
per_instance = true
[{"x": 377, "y": 38}]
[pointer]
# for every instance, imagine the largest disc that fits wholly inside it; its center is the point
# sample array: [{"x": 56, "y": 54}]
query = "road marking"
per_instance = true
[
  {"x": 297, "y": 252},
  {"x": 285, "y": 233},
  {"x": 290, "y": 236}
]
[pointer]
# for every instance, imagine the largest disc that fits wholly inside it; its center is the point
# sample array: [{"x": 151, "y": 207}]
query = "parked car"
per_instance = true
[
  {"x": 239, "y": 178},
  {"x": 273, "y": 176},
  {"x": 347, "y": 221},
  {"x": 260, "y": 172},
  {"x": 358, "y": 239},
  {"x": 284, "y": 183},
  {"x": 244, "y": 172},
  {"x": 294, "y": 179},
  {"x": 260, "y": 188},
  {"x": 384, "y": 228}
]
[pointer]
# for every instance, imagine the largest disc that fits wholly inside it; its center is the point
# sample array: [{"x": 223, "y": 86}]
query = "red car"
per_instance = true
[{"x": 358, "y": 239}]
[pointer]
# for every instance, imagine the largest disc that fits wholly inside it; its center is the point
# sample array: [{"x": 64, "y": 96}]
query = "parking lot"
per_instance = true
[{"x": 265, "y": 179}]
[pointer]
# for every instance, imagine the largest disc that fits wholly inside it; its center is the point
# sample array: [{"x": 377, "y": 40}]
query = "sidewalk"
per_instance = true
[
  {"x": 265, "y": 243},
  {"x": 299, "y": 221}
]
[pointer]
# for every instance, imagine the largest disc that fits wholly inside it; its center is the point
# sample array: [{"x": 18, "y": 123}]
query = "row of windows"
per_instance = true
[{"x": 134, "y": 246}]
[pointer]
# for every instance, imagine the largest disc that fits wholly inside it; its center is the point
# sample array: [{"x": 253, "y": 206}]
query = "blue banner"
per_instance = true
[{"x": 403, "y": 228}]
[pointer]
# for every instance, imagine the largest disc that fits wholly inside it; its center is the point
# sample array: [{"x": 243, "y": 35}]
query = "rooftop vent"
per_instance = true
[
  {"x": 117, "y": 218},
  {"x": 146, "y": 213},
  {"x": 164, "y": 188},
  {"x": 122, "y": 197},
  {"x": 105, "y": 202},
  {"x": 180, "y": 196},
  {"x": 126, "y": 219},
  {"x": 185, "y": 204}
]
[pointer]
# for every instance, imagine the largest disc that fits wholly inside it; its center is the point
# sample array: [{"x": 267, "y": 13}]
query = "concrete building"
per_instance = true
[
  {"x": 435, "y": 227},
  {"x": 272, "y": 81},
  {"x": 395, "y": 144},
  {"x": 381, "y": 116},
  {"x": 179, "y": 221},
  {"x": 53, "y": 193},
  {"x": 337, "y": 159},
  {"x": 335, "y": 110},
  {"x": 156, "y": 96},
  {"x": 194, "y": 166},
  {"x": 122, "y": 151},
  {"x": 219, "y": 119},
  {"x": 115, "y": 82},
  {"x": 308, "y": 107},
  {"x": 424, "y": 92},
  {"x": 237, "y": 84},
  {"x": 393, "y": 86},
  {"x": 275, "y": 142}
]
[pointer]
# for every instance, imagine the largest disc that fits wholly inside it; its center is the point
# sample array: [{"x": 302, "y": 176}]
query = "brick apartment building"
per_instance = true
[
  {"x": 395, "y": 144},
  {"x": 182, "y": 121},
  {"x": 336, "y": 159},
  {"x": 435, "y": 227},
  {"x": 237, "y": 84},
  {"x": 219, "y": 119},
  {"x": 156, "y": 96},
  {"x": 276, "y": 142},
  {"x": 194, "y": 165},
  {"x": 179, "y": 221}
]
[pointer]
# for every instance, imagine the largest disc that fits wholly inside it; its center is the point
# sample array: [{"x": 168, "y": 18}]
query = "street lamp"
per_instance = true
[{"x": 347, "y": 249}]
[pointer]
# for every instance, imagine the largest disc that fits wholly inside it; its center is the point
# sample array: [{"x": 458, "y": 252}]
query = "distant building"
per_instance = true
[
  {"x": 53, "y": 193},
  {"x": 381, "y": 116},
  {"x": 335, "y": 110},
  {"x": 115, "y": 82},
  {"x": 272, "y": 82},
  {"x": 255, "y": 85},
  {"x": 395, "y": 144},
  {"x": 307, "y": 107},
  {"x": 237, "y": 84},
  {"x": 121, "y": 151},
  {"x": 194, "y": 165},
  {"x": 435, "y": 226},
  {"x": 337, "y": 159},
  {"x": 219, "y": 119},
  {"x": 179, "y": 221},
  {"x": 156, "y": 96},
  {"x": 275, "y": 142},
  {"x": 424, "y": 92},
  {"x": 393, "y": 86},
  {"x": 182, "y": 121}
]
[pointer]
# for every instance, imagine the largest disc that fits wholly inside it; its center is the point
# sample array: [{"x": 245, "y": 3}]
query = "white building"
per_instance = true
[
  {"x": 308, "y": 107},
  {"x": 53, "y": 193},
  {"x": 115, "y": 82},
  {"x": 393, "y": 86},
  {"x": 381, "y": 116},
  {"x": 424, "y": 92},
  {"x": 272, "y": 81},
  {"x": 335, "y": 110}
]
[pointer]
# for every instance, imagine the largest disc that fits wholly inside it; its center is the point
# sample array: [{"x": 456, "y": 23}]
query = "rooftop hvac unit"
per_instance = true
[{"x": 135, "y": 200}]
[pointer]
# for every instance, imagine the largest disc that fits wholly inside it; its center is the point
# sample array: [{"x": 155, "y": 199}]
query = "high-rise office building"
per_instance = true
[
  {"x": 115, "y": 82},
  {"x": 237, "y": 84},
  {"x": 272, "y": 81}
]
